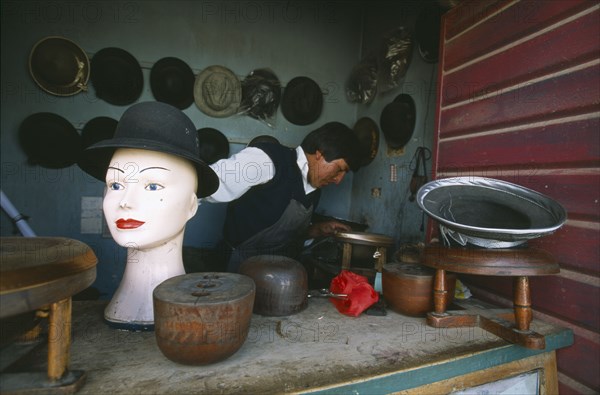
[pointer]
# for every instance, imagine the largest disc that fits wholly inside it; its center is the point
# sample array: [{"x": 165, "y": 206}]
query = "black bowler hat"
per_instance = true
[
  {"x": 49, "y": 140},
  {"x": 98, "y": 129},
  {"x": 302, "y": 101},
  {"x": 153, "y": 126},
  {"x": 427, "y": 32},
  {"x": 116, "y": 76},
  {"x": 172, "y": 82},
  {"x": 398, "y": 121},
  {"x": 213, "y": 145}
]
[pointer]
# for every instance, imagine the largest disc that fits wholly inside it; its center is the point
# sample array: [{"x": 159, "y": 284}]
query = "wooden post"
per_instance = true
[
  {"x": 59, "y": 338},
  {"x": 439, "y": 292},
  {"x": 346, "y": 255},
  {"x": 522, "y": 303}
]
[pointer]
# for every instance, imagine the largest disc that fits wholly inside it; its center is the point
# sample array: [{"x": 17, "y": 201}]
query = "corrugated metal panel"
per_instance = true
[{"x": 519, "y": 100}]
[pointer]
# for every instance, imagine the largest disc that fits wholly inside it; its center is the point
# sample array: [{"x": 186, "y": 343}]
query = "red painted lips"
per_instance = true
[{"x": 128, "y": 223}]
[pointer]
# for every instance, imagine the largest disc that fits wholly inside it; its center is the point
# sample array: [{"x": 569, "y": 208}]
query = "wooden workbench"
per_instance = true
[{"x": 318, "y": 350}]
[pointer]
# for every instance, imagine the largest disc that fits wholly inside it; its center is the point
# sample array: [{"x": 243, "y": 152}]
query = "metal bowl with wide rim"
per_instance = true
[{"x": 489, "y": 213}]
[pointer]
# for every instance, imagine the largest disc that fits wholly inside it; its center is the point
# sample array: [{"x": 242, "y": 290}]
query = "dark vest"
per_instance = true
[{"x": 263, "y": 205}]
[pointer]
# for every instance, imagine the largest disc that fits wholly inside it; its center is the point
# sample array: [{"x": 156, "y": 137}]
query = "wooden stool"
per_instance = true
[
  {"x": 381, "y": 242},
  {"x": 519, "y": 263},
  {"x": 44, "y": 272}
]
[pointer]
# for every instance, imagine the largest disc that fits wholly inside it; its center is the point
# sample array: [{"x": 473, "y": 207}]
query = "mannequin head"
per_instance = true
[{"x": 149, "y": 197}]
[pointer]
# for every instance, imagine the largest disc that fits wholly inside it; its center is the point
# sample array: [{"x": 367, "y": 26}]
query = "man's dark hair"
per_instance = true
[{"x": 335, "y": 141}]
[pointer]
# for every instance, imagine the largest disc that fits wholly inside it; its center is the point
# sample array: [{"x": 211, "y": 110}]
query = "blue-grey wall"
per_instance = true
[{"x": 321, "y": 40}]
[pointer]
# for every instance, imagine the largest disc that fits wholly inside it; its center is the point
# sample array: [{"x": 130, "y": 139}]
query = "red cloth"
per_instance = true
[{"x": 361, "y": 294}]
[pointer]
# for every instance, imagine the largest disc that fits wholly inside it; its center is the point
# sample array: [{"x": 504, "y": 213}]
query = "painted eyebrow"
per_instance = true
[
  {"x": 156, "y": 167},
  {"x": 115, "y": 168}
]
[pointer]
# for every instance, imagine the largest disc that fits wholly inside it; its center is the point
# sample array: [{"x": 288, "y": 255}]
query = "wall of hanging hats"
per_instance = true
[{"x": 62, "y": 68}]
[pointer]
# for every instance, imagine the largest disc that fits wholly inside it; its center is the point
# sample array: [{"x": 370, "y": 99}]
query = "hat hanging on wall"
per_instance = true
[
  {"x": 489, "y": 213},
  {"x": 427, "y": 32},
  {"x": 361, "y": 86},
  {"x": 368, "y": 135},
  {"x": 217, "y": 92},
  {"x": 116, "y": 76},
  {"x": 261, "y": 94},
  {"x": 395, "y": 54},
  {"x": 153, "y": 126},
  {"x": 98, "y": 129},
  {"x": 265, "y": 138},
  {"x": 213, "y": 145},
  {"x": 49, "y": 140},
  {"x": 398, "y": 121},
  {"x": 59, "y": 66},
  {"x": 172, "y": 82},
  {"x": 302, "y": 101}
]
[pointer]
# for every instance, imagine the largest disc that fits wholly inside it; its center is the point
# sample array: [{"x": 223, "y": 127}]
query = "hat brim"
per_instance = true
[
  {"x": 49, "y": 140},
  {"x": 368, "y": 136},
  {"x": 490, "y": 209},
  {"x": 116, "y": 76},
  {"x": 235, "y": 92},
  {"x": 172, "y": 82},
  {"x": 80, "y": 78},
  {"x": 398, "y": 120},
  {"x": 302, "y": 101},
  {"x": 96, "y": 159}
]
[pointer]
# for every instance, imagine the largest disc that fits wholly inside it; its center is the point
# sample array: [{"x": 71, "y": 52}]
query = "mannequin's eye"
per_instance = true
[
  {"x": 154, "y": 187},
  {"x": 115, "y": 186}
]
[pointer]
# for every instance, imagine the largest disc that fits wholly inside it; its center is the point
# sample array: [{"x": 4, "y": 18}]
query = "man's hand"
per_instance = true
[{"x": 327, "y": 228}]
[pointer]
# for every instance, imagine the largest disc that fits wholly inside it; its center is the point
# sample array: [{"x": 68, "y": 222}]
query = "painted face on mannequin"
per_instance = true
[
  {"x": 149, "y": 197},
  {"x": 322, "y": 173}
]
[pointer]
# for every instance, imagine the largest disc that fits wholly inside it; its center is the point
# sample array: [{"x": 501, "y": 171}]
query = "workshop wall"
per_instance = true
[{"x": 321, "y": 40}]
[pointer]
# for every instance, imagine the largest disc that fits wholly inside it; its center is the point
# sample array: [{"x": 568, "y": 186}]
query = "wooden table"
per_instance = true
[
  {"x": 317, "y": 351},
  {"x": 42, "y": 273}
]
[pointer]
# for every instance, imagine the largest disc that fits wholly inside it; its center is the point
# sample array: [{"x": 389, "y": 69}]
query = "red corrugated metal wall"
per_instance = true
[{"x": 519, "y": 100}]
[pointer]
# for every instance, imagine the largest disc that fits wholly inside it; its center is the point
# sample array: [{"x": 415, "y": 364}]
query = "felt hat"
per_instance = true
[
  {"x": 368, "y": 136},
  {"x": 172, "y": 82},
  {"x": 265, "y": 138},
  {"x": 49, "y": 140},
  {"x": 302, "y": 101},
  {"x": 261, "y": 94},
  {"x": 213, "y": 145},
  {"x": 489, "y": 213},
  {"x": 427, "y": 32},
  {"x": 98, "y": 129},
  {"x": 116, "y": 76},
  {"x": 217, "y": 92},
  {"x": 398, "y": 121},
  {"x": 59, "y": 66},
  {"x": 153, "y": 126}
]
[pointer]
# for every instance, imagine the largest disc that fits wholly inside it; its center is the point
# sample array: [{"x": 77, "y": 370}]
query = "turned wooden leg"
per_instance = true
[
  {"x": 346, "y": 255},
  {"x": 439, "y": 292},
  {"x": 59, "y": 338},
  {"x": 522, "y": 303}
]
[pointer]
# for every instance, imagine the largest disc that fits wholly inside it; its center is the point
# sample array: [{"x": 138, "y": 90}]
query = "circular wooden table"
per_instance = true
[
  {"x": 43, "y": 273},
  {"x": 519, "y": 263}
]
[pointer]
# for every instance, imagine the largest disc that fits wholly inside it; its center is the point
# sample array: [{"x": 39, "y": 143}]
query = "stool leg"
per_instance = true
[
  {"x": 59, "y": 338},
  {"x": 439, "y": 292},
  {"x": 522, "y": 303},
  {"x": 346, "y": 255}
]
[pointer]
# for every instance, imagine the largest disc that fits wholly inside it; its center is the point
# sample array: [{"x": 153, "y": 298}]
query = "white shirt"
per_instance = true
[{"x": 250, "y": 167}]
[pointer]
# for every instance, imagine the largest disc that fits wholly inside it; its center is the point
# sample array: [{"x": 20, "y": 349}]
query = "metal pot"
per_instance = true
[
  {"x": 202, "y": 318},
  {"x": 408, "y": 288},
  {"x": 281, "y": 284}
]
